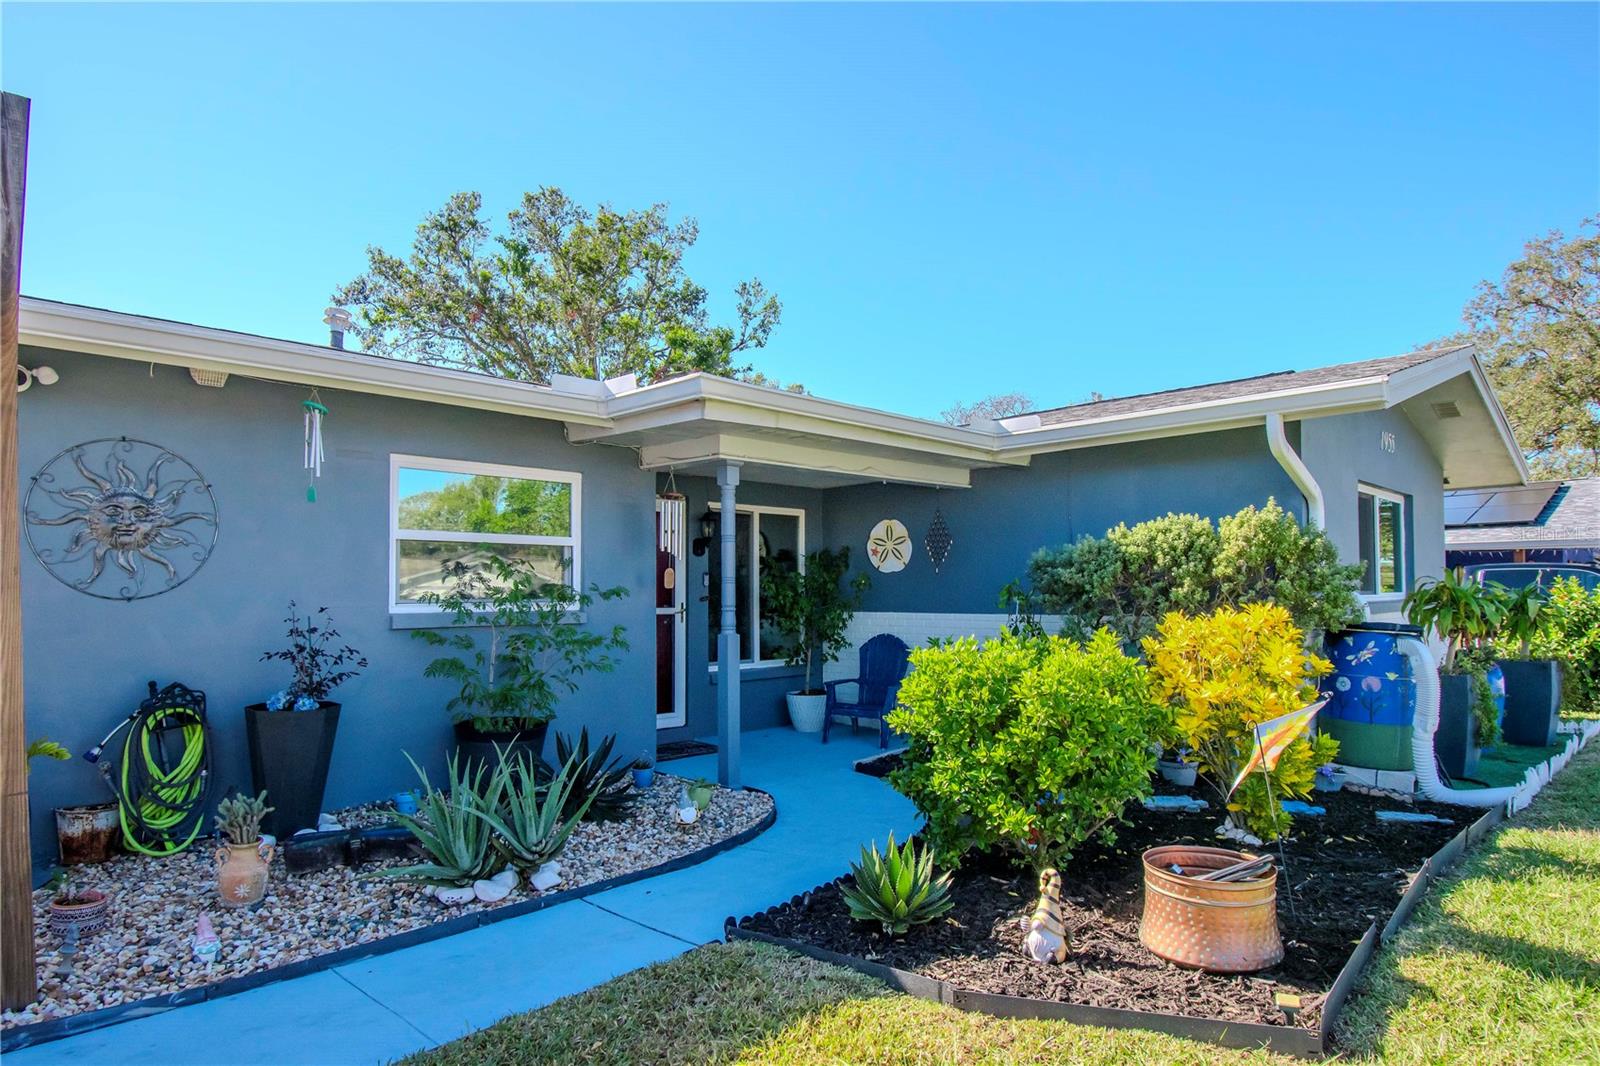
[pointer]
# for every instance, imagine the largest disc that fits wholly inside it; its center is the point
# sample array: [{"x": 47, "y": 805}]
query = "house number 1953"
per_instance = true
[{"x": 1386, "y": 441}]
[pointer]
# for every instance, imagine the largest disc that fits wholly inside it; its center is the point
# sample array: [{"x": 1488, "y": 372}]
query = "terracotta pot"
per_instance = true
[
  {"x": 90, "y": 915},
  {"x": 1217, "y": 926},
  {"x": 87, "y": 834},
  {"x": 242, "y": 873}
]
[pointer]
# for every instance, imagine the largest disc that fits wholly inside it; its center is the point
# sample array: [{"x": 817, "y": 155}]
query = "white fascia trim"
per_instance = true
[
  {"x": 122, "y": 336},
  {"x": 1414, "y": 381}
]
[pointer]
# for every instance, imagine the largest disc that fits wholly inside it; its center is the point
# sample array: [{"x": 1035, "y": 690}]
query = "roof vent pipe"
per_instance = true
[
  {"x": 338, "y": 320},
  {"x": 1292, "y": 465}
]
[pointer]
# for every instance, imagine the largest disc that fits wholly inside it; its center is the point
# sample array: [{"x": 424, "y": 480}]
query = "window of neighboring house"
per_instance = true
[
  {"x": 1381, "y": 516},
  {"x": 764, "y": 538},
  {"x": 442, "y": 511}
]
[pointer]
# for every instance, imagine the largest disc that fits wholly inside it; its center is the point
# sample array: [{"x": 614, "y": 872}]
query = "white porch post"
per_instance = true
[{"x": 728, "y": 636}]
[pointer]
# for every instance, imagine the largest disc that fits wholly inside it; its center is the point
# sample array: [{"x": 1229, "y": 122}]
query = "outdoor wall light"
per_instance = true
[
  {"x": 708, "y": 533},
  {"x": 44, "y": 375}
]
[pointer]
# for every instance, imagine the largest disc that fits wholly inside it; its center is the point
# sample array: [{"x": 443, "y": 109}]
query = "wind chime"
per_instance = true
[{"x": 314, "y": 454}]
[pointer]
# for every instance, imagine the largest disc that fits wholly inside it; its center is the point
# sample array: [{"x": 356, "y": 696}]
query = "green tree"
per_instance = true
[
  {"x": 562, "y": 290},
  {"x": 486, "y": 504},
  {"x": 1538, "y": 333}
]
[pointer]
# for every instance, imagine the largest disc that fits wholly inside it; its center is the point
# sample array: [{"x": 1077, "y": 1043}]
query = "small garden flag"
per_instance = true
[{"x": 1274, "y": 736}]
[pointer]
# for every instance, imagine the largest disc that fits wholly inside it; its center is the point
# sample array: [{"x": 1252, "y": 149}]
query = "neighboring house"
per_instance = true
[
  {"x": 627, "y": 485},
  {"x": 1542, "y": 522}
]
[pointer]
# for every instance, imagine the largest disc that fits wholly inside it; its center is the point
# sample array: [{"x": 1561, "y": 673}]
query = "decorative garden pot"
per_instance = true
[
  {"x": 642, "y": 779},
  {"x": 87, "y": 834},
  {"x": 806, "y": 710},
  {"x": 1456, "y": 742},
  {"x": 1217, "y": 926},
  {"x": 242, "y": 873},
  {"x": 289, "y": 755},
  {"x": 479, "y": 745},
  {"x": 1179, "y": 773},
  {"x": 1533, "y": 701},
  {"x": 89, "y": 913}
]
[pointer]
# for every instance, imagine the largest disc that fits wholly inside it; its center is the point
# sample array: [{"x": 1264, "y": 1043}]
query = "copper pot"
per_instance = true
[{"x": 1217, "y": 926}]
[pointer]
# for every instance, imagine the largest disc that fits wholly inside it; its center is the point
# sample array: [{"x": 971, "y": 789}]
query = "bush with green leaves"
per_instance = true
[
  {"x": 1135, "y": 575},
  {"x": 1569, "y": 632},
  {"x": 1475, "y": 663},
  {"x": 812, "y": 607},
  {"x": 897, "y": 889},
  {"x": 532, "y": 653},
  {"x": 1028, "y": 746}
]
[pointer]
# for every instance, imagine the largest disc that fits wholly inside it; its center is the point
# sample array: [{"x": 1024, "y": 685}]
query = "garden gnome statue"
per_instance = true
[
  {"x": 206, "y": 942},
  {"x": 1047, "y": 937},
  {"x": 688, "y": 811}
]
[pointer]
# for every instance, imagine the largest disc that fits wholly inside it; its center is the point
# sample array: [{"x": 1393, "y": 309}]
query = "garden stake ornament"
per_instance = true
[
  {"x": 1047, "y": 939},
  {"x": 314, "y": 454},
  {"x": 1272, "y": 739}
]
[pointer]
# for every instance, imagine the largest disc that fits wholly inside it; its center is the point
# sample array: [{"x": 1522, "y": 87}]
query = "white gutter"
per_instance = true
[{"x": 1295, "y": 467}]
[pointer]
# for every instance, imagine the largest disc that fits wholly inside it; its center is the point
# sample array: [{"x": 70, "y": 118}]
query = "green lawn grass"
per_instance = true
[{"x": 1500, "y": 964}]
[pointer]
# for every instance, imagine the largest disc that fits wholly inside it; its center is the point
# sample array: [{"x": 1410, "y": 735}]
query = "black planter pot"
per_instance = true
[
  {"x": 289, "y": 754},
  {"x": 475, "y": 746},
  {"x": 1456, "y": 742},
  {"x": 1533, "y": 701}
]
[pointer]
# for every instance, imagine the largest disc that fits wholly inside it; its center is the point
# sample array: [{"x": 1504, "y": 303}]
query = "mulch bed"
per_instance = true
[{"x": 1346, "y": 870}]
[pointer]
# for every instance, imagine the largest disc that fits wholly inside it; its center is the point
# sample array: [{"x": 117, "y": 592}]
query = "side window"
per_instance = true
[{"x": 1381, "y": 518}]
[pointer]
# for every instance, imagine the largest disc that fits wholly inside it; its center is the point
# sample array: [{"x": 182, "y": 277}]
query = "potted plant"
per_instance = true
[
  {"x": 531, "y": 652},
  {"x": 291, "y": 733},
  {"x": 244, "y": 861},
  {"x": 76, "y": 912},
  {"x": 1463, "y": 614},
  {"x": 814, "y": 607},
  {"x": 1329, "y": 778},
  {"x": 1178, "y": 769},
  {"x": 644, "y": 771},
  {"x": 1533, "y": 686},
  {"x": 86, "y": 833}
]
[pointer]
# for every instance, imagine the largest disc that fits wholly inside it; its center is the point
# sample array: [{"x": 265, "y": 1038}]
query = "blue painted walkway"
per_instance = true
[{"x": 382, "y": 1008}]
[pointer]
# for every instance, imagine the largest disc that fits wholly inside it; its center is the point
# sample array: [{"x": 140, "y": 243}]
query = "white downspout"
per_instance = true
[
  {"x": 1297, "y": 470},
  {"x": 1425, "y": 723}
]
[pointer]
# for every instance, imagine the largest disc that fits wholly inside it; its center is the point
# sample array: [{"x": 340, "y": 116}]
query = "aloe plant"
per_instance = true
[
  {"x": 897, "y": 889},
  {"x": 599, "y": 783},
  {"x": 451, "y": 828},
  {"x": 531, "y": 821}
]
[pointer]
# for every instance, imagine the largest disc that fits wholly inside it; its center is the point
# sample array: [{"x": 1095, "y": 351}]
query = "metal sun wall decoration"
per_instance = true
[
  {"x": 141, "y": 507},
  {"x": 938, "y": 541}
]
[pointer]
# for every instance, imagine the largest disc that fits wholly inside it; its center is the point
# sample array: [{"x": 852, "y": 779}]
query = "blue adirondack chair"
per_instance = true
[{"x": 884, "y": 661}]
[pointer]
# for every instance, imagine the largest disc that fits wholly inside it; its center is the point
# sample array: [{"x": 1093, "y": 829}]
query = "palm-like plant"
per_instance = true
[
  {"x": 897, "y": 889},
  {"x": 452, "y": 829},
  {"x": 1463, "y": 613},
  {"x": 599, "y": 790},
  {"x": 532, "y": 821},
  {"x": 1521, "y": 619}
]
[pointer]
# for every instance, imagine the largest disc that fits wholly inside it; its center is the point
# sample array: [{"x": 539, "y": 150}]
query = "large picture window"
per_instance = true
[
  {"x": 444, "y": 511},
  {"x": 764, "y": 538},
  {"x": 1382, "y": 540}
]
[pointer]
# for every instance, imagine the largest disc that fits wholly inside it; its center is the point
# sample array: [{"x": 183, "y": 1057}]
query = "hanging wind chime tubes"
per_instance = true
[{"x": 313, "y": 443}]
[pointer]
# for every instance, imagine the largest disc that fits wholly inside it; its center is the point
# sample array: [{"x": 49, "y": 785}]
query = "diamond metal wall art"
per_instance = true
[
  {"x": 139, "y": 506},
  {"x": 938, "y": 541}
]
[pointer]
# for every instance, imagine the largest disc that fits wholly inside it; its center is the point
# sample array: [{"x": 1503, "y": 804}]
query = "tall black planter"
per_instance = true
[
  {"x": 1533, "y": 701},
  {"x": 477, "y": 746},
  {"x": 289, "y": 754},
  {"x": 1456, "y": 742}
]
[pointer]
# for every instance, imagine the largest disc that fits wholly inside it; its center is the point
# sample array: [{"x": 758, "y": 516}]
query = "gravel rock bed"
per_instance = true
[{"x": 147, "y": 948}]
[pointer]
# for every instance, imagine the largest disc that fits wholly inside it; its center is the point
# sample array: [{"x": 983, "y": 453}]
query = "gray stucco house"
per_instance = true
[{"x": 643, "y": 475}]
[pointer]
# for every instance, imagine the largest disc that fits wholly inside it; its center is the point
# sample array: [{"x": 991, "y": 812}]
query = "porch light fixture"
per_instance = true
[{"x": 708, "y": 533}]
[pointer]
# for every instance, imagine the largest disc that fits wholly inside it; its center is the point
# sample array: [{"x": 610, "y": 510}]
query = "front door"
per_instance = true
[{"x": 670, "y": 611}]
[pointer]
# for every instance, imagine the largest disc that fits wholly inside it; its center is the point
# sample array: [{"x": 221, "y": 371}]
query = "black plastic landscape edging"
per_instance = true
[
  {"x": 43, "y": 1032},
  {"x": 1285, "y": 1039}
]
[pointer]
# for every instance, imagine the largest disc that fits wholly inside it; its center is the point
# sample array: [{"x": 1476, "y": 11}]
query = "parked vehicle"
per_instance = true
[{"x": 1518, "y": 575}]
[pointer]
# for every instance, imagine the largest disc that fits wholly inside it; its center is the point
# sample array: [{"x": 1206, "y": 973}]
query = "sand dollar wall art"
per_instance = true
[{"x": 889, "y": 546}]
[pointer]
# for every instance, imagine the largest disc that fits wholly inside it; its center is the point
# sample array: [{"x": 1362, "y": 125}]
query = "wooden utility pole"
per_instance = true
[{"x": 17, "y": 976}]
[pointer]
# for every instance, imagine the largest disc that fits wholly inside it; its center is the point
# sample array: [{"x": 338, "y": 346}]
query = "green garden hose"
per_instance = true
[{"x": 163, "y": 773}]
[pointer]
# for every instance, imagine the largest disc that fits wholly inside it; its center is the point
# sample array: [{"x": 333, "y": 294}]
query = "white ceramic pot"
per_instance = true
[
  {"x": 1179, "y": 773},
  {"x": 806, "y": 711}
]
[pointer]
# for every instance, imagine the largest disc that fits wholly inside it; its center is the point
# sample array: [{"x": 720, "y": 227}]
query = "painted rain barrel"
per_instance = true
[{"x": 1371, "y": 696}]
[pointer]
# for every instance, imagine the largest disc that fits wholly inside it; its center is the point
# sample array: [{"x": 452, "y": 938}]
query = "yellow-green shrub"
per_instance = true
[
  {"x": 1030, "y": 745},
  {"x": 1225, "y": 673}
]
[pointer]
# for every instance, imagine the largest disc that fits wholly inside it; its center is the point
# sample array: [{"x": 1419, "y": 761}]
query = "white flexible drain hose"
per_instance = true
[{"x": 1425, "y": 722}]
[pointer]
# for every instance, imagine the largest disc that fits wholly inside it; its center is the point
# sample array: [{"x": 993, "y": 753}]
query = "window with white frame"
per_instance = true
[
  {"x": 444, "y": 511},
  {"x": 1382, "y": 541},
  {"x": 764, "y": 538}
]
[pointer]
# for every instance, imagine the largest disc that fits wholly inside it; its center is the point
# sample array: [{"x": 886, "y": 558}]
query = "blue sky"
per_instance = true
[{"x": 951, "y": 201}]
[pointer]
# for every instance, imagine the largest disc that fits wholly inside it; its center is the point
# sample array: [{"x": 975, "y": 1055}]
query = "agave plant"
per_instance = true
[
  {"x": 897, "y": 889},
  {"x": 599, "y": 784},
  {"x": 451, "y": 828},
  {"x": 531, "y": 820}
]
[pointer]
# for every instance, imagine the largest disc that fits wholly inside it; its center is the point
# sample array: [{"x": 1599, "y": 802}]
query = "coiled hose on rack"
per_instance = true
[{"x": 162, "y": 776}]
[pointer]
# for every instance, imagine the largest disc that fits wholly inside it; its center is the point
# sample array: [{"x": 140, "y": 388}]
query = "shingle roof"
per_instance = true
[
  {"x": 1224, "y": 390},
  {"x": 1573, "y": 517}
]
